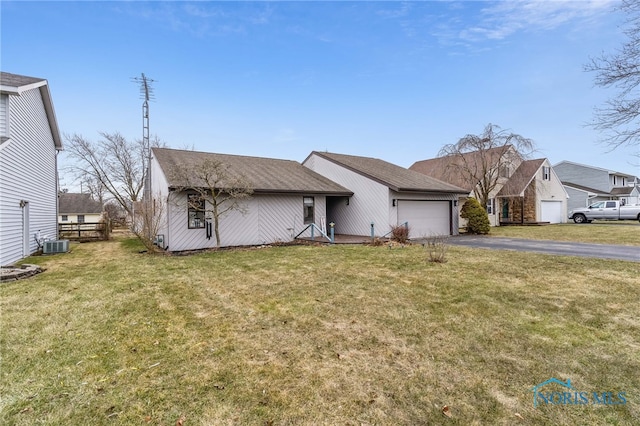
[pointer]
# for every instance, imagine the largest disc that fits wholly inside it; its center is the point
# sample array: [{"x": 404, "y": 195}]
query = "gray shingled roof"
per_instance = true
[
  {"x": 72, "y": 203},
  {"x": 15, "y": 80},
  {"x": 395, "y": 177},
  {"x": 264, "y": 175}
]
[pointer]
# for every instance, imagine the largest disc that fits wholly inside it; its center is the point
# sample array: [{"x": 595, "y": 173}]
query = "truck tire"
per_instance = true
[{"x": 579, "y": 218}]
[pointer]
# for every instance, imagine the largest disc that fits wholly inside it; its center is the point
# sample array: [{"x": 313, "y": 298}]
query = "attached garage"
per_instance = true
[
  {"x": 425, "y": 218},
  {"x": 551, "y": 211}
]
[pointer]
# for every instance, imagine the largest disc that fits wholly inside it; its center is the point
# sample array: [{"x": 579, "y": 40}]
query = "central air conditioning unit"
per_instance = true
[{"x": 55, "y": 246}]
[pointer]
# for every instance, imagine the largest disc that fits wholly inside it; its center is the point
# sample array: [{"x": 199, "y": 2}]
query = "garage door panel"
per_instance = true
[
  {"x": 425, "y": 218},
  {"x": 551, "y": 211}
]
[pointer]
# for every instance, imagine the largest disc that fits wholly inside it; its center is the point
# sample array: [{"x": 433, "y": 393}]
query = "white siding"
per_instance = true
[
  {"x": 369, "y": 204},
  {"x": 27, "y": 172},
  {"x": 268, "y": 219}
]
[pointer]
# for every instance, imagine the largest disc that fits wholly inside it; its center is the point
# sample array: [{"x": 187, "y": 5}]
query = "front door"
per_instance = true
[{"x": 505, "y": 209}]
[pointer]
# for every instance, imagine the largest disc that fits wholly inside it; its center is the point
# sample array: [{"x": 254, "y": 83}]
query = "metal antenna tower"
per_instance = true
[{"x": 146, "y": 93}]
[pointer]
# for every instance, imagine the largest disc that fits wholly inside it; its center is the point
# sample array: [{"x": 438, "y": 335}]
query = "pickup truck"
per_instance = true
[{"x": 605, "y": 210}]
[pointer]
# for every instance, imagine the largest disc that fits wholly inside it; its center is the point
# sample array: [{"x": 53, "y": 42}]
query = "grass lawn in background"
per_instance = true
[{"x": 317, "y": 335}]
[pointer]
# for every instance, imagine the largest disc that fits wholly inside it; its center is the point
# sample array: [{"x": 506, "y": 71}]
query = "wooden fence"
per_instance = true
[{"x": 85, "y": 231}]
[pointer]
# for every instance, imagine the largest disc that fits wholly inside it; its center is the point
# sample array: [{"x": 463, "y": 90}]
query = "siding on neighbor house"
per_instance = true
[
  {"x": 584, "y": 176},
  {"x": 88, "y": 218},
  {"x": 367, "y": 205},
  {"x": 27, "y": 172},
  {"x": 268, "y": 218}
]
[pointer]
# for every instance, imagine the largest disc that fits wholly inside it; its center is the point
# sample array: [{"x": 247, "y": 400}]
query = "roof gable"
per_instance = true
[
  {"x": 521, "y": 178},
  {"x": 395, "y": 177},
  {"x": 264, "y": 175},
  {"x": 15, "y": 84}
]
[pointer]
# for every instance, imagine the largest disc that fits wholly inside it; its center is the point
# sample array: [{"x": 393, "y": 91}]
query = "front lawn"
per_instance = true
[
  {"x": 625, "y": 232},
  {"x": 315, "y": 335}
]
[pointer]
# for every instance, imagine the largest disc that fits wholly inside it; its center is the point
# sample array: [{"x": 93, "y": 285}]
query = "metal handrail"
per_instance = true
[{"x": 314, "y": 226}]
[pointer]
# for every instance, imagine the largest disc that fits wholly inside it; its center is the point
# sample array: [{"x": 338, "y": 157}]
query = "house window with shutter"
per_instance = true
[
  {"x": 307, "y": 209},
  {"x": 546, "y": 173},
  {"x": 491, "y": 205},
  {"x": 195, "y": 211}
]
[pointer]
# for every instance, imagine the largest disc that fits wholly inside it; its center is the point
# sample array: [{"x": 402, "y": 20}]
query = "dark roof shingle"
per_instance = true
[
  {"x": 395, "y": 177},
  {"x": 264, "y": 175},
  {"x": 16, "y": 80},
  {"x": 73, "y": 203}
]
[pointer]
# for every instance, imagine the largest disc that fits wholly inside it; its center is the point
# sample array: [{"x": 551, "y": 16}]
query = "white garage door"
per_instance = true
[
  {"x": 426, "y": 218},
  {"x": 551, "y": 211}
]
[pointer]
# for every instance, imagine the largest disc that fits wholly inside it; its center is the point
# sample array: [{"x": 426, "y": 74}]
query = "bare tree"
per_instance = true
[
  {"x": 482, "y": 160},
  {"x": 112, "y": 163},
  {"x": 148, "y": 217},
  {"x": 618, "y": 118},
  {"x": 213, "y": 190},
  {"x": 95, "y": 188}
]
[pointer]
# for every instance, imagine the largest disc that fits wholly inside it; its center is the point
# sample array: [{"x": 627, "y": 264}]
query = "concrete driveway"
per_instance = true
[{"x": 602, "y": 251}]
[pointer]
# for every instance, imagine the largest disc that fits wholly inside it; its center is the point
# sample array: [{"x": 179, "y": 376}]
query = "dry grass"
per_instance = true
[
  {"x": 601, "y": 232},
  {"x": 315, "y": 335}
]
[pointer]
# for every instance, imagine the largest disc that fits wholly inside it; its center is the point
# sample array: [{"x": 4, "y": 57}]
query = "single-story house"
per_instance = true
[
  {"x": 386, "y": 195},
  {"x": 29, "y": 145},
  {"x": 78, "y": 208},
  {"x": 287, "y": 197}
]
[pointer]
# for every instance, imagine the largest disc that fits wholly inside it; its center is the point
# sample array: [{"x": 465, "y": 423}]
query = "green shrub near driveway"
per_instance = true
[{"x": 477, "y": 219}]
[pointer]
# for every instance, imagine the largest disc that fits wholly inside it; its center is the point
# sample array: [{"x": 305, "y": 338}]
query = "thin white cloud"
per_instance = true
[{"x": 499, "y": 20}]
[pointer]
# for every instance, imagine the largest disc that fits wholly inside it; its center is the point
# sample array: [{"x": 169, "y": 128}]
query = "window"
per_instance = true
[
  {"x": 491, "y": 205},
  {"x": 610, "y": 204},
  {"x": 307, "y": 209},
  {"x": 546, "y": 173},
  {"x": 80, "y": 218},
  {"x": 4, "y": 118},
  {"x": 599, "y": 205},
  {"x": 196, "y": 211},
  {"x": 504, "y": 171},
  {"x": 65, "y": 218}
]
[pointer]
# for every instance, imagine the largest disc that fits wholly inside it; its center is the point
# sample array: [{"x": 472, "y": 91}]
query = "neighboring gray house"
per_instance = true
[
  {"x": 287, "y": 197},
  {"x": 78, "y": 208},
  {"x": 29, "y": 144},
  {"x": 385, "y": 195},
  {"x": 588, "y": 184}
]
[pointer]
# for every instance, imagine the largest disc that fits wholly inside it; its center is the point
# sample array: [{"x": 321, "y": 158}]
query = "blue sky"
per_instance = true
[{"x": 392, "y": 80}]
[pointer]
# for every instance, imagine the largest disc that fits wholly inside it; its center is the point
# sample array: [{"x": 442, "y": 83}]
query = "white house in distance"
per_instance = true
[
  {"x": 29, "y": 143},
  {"x": 78, "y": 208},
  {"x": 386, "y": 195},
  {"x": 286, "y": 198}
]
